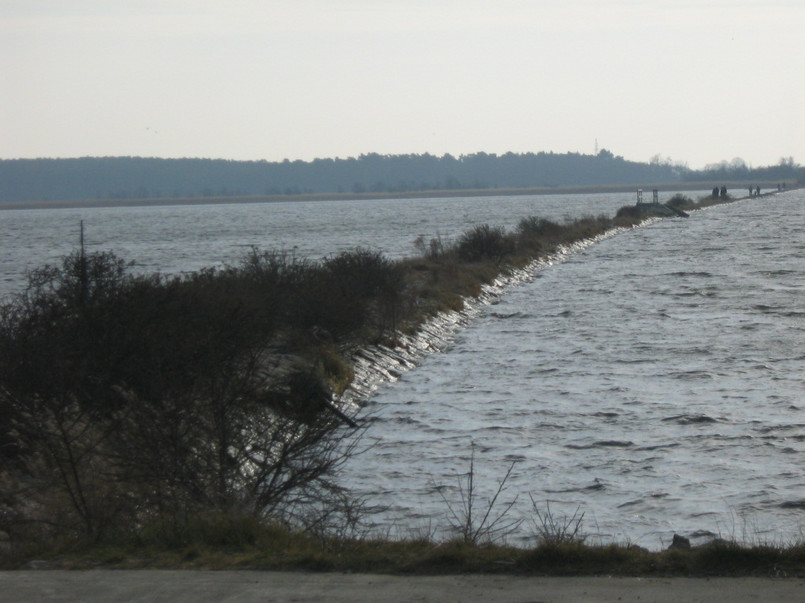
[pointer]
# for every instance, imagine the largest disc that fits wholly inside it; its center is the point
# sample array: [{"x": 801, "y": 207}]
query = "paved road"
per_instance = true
[{"x": 247, "y": 586}]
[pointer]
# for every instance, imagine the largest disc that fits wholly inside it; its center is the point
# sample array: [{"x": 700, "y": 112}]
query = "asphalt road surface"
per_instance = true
[{"x": 191, "y": 586}]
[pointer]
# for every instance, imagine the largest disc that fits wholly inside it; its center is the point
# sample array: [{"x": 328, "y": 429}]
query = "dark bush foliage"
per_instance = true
[
  {"x": 628, "y": 211},
  {"x": 433, "y": 250},
  {"x": 133, "y": 399},
  {"x": 680, "y": 200},
  {"x": 346, "y": 294},
  {"x": 363, "y": 272},
  {"x": 540, "y": 227},
  {"x": 586, "y": 227},
  {"x": 538, "y": 234},
  {"x": 484, "y": 242}
]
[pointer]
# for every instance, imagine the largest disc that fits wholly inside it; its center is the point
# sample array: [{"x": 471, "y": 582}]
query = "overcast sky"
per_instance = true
[{"x": 697, "y": 81}]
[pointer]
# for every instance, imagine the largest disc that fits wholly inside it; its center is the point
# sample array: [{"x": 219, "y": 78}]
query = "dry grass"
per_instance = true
[{"x": 239, "y": 544}]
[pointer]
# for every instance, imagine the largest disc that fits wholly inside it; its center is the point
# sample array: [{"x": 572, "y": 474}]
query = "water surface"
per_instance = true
[{"x": 654, "y": 381}]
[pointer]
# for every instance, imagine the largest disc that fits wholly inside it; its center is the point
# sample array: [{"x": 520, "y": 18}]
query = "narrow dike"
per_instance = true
[
  {"x": 375, "y": 365},
  {"x": 378, "y": 364}
]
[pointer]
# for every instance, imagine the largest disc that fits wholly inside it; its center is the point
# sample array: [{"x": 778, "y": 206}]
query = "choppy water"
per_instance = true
[
  {"x": 654, "y": 381},
  {"x": 183, "y": 238}
]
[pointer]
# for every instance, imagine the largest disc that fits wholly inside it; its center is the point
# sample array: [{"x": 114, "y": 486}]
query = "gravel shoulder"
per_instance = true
[{"x": 246, "y": 586}]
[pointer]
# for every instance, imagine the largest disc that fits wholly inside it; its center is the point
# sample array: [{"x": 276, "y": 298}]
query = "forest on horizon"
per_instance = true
[{"x": 99, "y": 178}]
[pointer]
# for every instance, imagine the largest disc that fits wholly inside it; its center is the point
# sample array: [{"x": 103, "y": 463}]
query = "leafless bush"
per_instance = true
[
  {"x": 433, "y": 250},
  {"x": 551, "y": 529},
  {"x": 489, "y": 523}
]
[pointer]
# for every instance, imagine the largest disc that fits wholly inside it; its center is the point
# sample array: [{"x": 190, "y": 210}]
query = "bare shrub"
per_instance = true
[
  {"x": 551, "y": 529},
  {"x": 488, "y": 523},
  {"x": 535, "y": 226},
  {"x": 433, "y": 250}
]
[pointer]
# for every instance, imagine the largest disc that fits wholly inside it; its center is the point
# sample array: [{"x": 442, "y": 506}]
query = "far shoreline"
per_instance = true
[{"x": 424, "y": 194}]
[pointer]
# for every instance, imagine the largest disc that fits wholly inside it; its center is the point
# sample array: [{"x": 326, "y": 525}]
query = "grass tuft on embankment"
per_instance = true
[{"x": 219, "y": 545}]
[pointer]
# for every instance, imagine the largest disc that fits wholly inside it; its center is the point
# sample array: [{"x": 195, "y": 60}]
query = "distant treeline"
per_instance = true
[{"x": 151, "y": 178}]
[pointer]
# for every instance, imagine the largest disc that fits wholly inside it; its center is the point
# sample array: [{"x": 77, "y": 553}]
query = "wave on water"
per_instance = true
[
  {"x": 596, "y": 486},
  {"x": 793, "y": 504},
  {"x": 601, "y": 444},
  {"x": 690, "y": 419}
]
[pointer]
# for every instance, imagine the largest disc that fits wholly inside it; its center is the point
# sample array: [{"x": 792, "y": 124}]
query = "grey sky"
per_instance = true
[{"x": 697, "y": 81}]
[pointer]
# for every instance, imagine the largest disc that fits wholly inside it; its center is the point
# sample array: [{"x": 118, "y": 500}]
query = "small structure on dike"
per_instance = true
[
  {"x": 644, "y": 209},
  {"x": 655, "y": 197}
]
